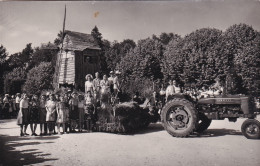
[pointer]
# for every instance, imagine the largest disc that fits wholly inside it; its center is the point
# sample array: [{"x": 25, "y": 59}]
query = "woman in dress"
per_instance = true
[
  {"x": 42, "y": 116},
  {"x": 61, "y": 114},
  {"x": 50, "y": 116},
  {"x": 74, "y": 112},
  {"x": 34, "y": 114},
  {"x": 89, "y": 111},
  {"x": 89, "y": 86},
  {"x": 22, "y": 118},
  {"x": 105, "y": 90},
  {"x": 81, "y": 111}
]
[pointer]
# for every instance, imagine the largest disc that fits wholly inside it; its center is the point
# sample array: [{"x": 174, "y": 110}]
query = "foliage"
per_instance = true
[
  {"x": 14, "y": 80},
  {"x": 117, "y": 51},
  {"x": 241, "y": 45},
  {"x": 21, "y": 59},
  {"x": 39, "y": 78},
  {"x": 43, "y": 55},
  {"x": 57, "y": 41}
]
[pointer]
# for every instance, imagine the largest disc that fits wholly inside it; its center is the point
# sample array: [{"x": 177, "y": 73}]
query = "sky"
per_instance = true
[{"x": 40, "y": 22}]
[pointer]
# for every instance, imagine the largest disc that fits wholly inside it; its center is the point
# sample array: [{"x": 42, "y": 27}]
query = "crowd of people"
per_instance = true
[
  {"x": 71, "y": 111},
  {"x": 74, "y": 111}
]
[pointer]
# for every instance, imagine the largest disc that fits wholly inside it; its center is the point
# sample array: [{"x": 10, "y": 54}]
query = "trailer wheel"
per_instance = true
[
  {"x": 251, "y": 129},
  {"x": 179, "y": 117},
  {"x": 203, "y": 123}
]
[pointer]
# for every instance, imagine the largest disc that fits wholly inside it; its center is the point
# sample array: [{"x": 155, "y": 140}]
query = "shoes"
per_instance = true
[
  {"x": 26, "y": 134},
  {"x": 21, "y": 134}
]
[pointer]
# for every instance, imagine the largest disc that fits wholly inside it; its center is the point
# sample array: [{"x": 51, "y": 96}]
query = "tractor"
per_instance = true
[{"x": 181, "y": 116}]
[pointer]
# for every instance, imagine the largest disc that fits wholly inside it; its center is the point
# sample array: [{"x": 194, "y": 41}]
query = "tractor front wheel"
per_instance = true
[{"x": 251, "y": 129}]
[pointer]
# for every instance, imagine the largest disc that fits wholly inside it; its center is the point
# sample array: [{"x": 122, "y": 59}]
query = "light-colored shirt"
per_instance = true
[
  {"x": 50, "y": 105},
  {"x": 89, "y": 86},
  {"x": 116, "y": 83},
  {"x": 104, "y": 86},
  {"x": 89, "y": 100},
  {"x": 177, "y": 89},
  {"x": 110, "y": 80},
  {"x": 81, "y": 104},
  {"x": 96, "y": 83},
  {"x": 24, "y": 103},
  {"x": 170, "y": 90},
  {"x": 17, "y": 99}
]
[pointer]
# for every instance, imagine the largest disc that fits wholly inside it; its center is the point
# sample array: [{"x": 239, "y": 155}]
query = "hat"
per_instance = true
[
  {"x": 111, "y": 72},
  {"x": 118, "y": 72},
  {"x": 89, "y": 75}
]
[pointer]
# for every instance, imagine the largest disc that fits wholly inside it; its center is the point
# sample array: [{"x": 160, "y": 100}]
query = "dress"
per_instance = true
[
  {"x": 74, "y": 112},
  {"x": 23, "y": 115},
  {"x": 34, "y": 112},
  {"x": 81, "y": 111},
  {"x": 42, "y": 111},
  {"x": 89, "y": 86},
  {"x": 61, "y": 111},
  {"x": 50, "y": 108}
]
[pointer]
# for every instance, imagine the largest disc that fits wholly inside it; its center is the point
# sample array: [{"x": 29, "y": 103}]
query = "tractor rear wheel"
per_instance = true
[
  {"x": 179, "y": 117},
  {"x": 251, "y": 129},
  {"x": 203, "y": 123}
]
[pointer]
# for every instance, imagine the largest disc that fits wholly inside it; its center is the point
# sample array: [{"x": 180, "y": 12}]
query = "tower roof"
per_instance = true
[{"x": 79, "y": 41}]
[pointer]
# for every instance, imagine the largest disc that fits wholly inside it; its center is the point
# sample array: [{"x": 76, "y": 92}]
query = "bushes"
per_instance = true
[{"x": 39, "y": 78}]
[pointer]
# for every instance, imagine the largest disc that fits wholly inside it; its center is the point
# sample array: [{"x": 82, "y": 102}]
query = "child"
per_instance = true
[
  {"x": 89, "y": 111},
  {"x": 50, "y": 116},
  {"x": 81, "y": 111},
  {"x": 42, "y": 115},
  {"x": 34, "y": 114},
  {"x": 22, "y": 118},
  {"x": 74, "y": 113},
  {"x": 61, "y": 114}
]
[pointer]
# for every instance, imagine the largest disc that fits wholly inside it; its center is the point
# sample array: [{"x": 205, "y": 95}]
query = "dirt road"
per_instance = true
[{"x": 222, "y": 144}]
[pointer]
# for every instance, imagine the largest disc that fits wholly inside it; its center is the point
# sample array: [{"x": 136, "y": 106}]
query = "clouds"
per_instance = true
[{"x": 40, "y": 22}]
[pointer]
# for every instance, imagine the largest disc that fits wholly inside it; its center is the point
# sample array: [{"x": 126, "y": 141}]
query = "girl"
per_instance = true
[
  {"x": 42, "y": 115},
  {"x": 89, "y": 111},
  {"x": 89, "y": 86},
  {"x": 22, "y": 118},
  {"x": 50, "y": 116},
  {"x": 74, "y": 113},
  {"x": 34, "y": 114},
  {"x": 6, "y": 106},
  {"x": 61, "y": 114},
  {"x": 81, "y": 111}
]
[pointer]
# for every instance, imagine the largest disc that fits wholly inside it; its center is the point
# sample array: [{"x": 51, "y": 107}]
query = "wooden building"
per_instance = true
[{"x": 79, "y": 55}]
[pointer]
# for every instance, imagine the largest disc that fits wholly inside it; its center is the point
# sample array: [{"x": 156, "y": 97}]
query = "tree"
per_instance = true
[
  {"x": 14, "y": 80},
  {"x": 3, "y": 54},
  {"x": 59, "y": 38},
  {"x": 41, "y": 54},
  {"x": 241, "y": 50},
  {"x": 98, "y": 37},
  {"x": 21, "y": 59},
  {"x": 39, "y": 78},
  {"x": 117, "y": 51},
  {"x": 3, "y": 66},
  {"x": 192, "y": 60}
]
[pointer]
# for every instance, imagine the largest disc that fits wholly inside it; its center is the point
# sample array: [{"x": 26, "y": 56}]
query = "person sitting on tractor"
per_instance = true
[{"x": 170, "y": 90}]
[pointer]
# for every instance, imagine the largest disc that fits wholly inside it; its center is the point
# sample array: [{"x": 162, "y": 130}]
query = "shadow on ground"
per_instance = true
[
  {"x": 9, "y": 155},
  {"x": 153, "y": 127},
  {"x": 218, "y": 132}
]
